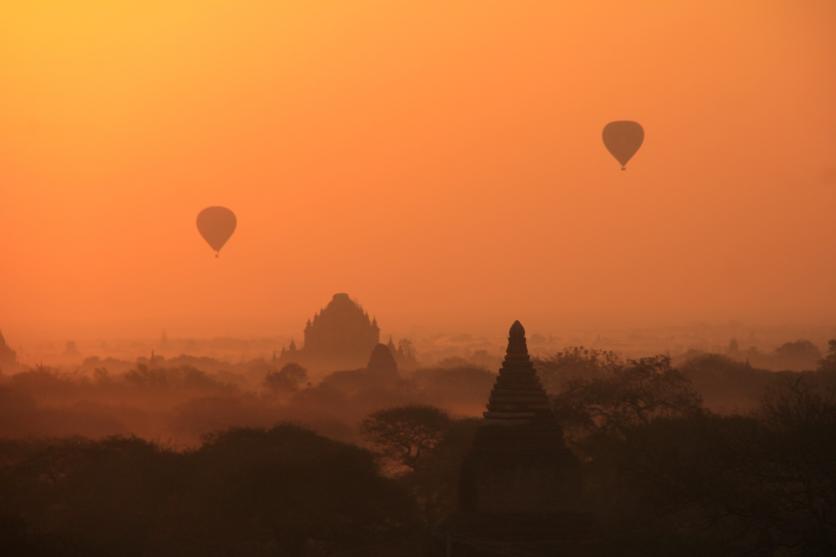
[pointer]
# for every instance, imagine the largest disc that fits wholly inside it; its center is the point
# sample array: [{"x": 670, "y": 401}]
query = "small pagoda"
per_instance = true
[
  {"x": 8, "y": 357},
  {"x": 519, "y": 489}
]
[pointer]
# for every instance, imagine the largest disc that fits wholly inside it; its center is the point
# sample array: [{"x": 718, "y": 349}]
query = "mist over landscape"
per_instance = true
[
  {"x": 412, "y": 409},
  {"x": 430, "y": 279}
]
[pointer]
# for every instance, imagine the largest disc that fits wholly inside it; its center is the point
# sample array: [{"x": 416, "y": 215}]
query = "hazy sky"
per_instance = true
[{"x": 440, "y": 161}]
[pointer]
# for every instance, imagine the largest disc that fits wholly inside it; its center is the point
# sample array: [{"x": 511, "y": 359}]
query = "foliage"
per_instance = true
[
  {"x": 159, "y": 378},
  {"x": 799, "y": 354},
  {"x": 245, "y": 492},
  {"x": 727, "y": 384},
  {"x": 573, "y": 364},
  {"x": 287, "y": 380},
  {"x": 626, "y": 397},
  {"x": 829, "y": 361},
  {"x": 759, "y": 484},
  {"x": 403, "y": 436},
  {"x": 435, "y": 482},
  {"x": 662, "y": 475}
]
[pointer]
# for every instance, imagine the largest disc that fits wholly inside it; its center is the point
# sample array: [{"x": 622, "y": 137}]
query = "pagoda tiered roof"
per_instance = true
[{"x": 517, "y": 396}]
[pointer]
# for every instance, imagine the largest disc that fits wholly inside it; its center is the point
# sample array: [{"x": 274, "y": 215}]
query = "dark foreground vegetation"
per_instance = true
[
  {"x": 663, "y": 474},
  {"x": 283, "y": 491}
]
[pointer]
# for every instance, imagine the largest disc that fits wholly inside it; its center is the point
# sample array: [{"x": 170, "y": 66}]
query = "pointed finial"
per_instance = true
[{"x": 516, "y": 340}]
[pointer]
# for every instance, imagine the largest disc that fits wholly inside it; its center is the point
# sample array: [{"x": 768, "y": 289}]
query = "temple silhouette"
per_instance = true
[
  {"x": 341, "y": 336},
  {"x": 380, "y": 371},
  {"x": 8, "y": 357},
  {"x": 520, "y": 486}
]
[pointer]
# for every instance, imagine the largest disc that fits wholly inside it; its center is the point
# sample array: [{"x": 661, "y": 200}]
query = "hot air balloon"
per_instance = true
[
  {"x": 623, "y": 139},
  {"x": 216, "y": 225}
]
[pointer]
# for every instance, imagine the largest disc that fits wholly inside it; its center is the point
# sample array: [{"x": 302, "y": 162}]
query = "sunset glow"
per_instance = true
[{"x": 440, "y": 161}]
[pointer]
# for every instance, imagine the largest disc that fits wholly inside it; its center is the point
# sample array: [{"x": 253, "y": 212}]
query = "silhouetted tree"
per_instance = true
[
  {"x": 435, "y": 481},
  {"x": 726, "y": 383},
  {"x": 103, "y": 496},
  {"x": 627, "y": 396},
  {"x": 828, "y": 364},
  {"x": 245, "y": 492},
  {"x": 759, "y": 485},
  {"x": 406, "y": 355},
  {"x": 799, "y": 354},
  {"x": 160, "y": 379},
  {"x": 287, "y": 380},
  {"x": 575, "y": 363},
  {"x": 426, "y": 449},
  {"x": 282, "y": 490},
  {"x": 796, "y": 468},
  {"x": 403, "y": 436}
]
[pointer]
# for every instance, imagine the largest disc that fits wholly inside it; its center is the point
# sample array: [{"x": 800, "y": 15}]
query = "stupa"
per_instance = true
[
  {"x": 382, "y": 362},
  {"x": 519, "y": 488},
  {"x": 8, "y": 357}
]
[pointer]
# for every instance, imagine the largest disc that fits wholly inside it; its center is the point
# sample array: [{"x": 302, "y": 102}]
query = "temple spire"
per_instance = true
[
  {"x": 518, "y": 470},
  {"x": 516, "y": 340},
  {"x": 517, "y": 396}
]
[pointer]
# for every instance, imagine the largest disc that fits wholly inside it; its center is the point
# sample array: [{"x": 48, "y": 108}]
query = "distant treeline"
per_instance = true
[
  {"x": 177, "y": 401},
  {"x": 662, "y": 475},
  {"x": 177, "y": 404}
]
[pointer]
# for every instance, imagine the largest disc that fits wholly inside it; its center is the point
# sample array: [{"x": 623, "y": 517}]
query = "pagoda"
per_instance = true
[
  {"x": 341, "y": 335},
  {"x": 8, "y": 357},
  {"x": 519, "y": 488}
]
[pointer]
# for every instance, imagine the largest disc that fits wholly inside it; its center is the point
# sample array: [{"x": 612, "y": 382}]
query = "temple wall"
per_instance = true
[{"x": 509, "y": 485}]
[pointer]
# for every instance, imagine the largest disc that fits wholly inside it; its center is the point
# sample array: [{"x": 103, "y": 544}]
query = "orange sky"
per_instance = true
[{"x": 440, "y": 161}]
